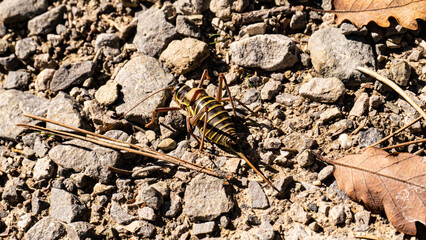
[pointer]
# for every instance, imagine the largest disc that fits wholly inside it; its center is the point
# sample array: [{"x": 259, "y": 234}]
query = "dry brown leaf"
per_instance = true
[
  {"x": 361, "y": 12},
  {"x": 395, "y": 184}
]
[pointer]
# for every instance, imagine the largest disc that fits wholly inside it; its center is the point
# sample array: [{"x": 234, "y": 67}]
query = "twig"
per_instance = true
[
  {"x": 404, "y": 144},
  {"x": 259, "y": 15}
]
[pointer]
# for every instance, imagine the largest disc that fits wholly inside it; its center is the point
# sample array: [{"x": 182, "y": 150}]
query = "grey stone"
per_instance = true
[
  {"x": 71, "y": 74},
  {"x": 206, "y": 198},
  {"x": 270, "y": 89},
  {"x": 26, "y": 47},
  {"x": 325, "y": 172},
  {"x": 334, "y": 191},
  {"x": 334, "y": 55},
  {"x": 37, "y": 205},
  {"x": 362, "y": 221},
  {"x": 270, "y": 52},
  {"x": 267, "y": 158},
  {"x": 147, "y": 213},
  {"x": 173, "y": 208},
  {"x": 265, "y": 231},
  {"x": 80, "y": 230},
  {"x": 153, "y": 32},
  {"x": 360, "y": 106},
  {"x": 45, "y": 229},
  {"x": 107, "y": 94},
  {"x": 10, "y": 62},
  {"x": 282, "y": 184},
  {"x": 107, "y": 40},
  {"x": 325, "y": 90},
  {"x": 150, "y": 197},
  {"x": 337, "y": 214},
  {"x": 272, "y": 143},
  {"x": 368, "y": 137},
  {"x": 189, "y": 7},
  {"x": 286, "y": 99},
  {"x": 43, "y": 169},
  {"x": 252, "y": 95},
  {"x": 43, "y": 79},
  {"x": 297, "y": 233},
  {"x": 4, "y": 46},
  {"x": 141, "y": 76},
  {"x": 40, "y": 147},
  {"x": 187, "y": 27},
  {"x": 46, "y": 22},
  {"x": 14, "y": 11},
  {"x": 254, "y": 29},
  {"x": 64, "y": 109},
  {"x": 120, "y": 215},
  {"x": 401, "y": 72},
  {"x": 203, "y": 228},
  {"x": 11, "y": 191},
  {"x": 66, "y": 206},
  {"x": 183, "y": 56},
  {"x": 146, "y": 230},
  {"x": 13, "y": 104},
  {"x": 257, "y": 196},
  {"x": 17, "y": 79},
  {"x": 24, "y": 222},
  {"x": 330, "y": 114},
  {"x": 82, "y": 156},
  {"x": 376, "y": 101},
  {"x": 221, "y": 8},
  {"x": 298, "y": 20},
  {"x": 224, "y": 221},
  {"x": 298, "y": 214}
]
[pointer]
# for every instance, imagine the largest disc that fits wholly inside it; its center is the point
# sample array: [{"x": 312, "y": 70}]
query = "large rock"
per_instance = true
[
  {"x": 46, "y": 22},
  {"x": 270, "y": 52},
  {"x": 153, "y": 32},
  {"x": 334, "y": 55},
  {"x": 206, "y": 198},
  {"x": 46, "y": 228},
  {"x": 140, "y": 77},
  {"x": 14, "y": 11},
  {"x": 13, "y": 104}
]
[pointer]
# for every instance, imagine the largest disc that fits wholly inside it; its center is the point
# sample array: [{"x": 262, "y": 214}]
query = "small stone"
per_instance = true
[
  {"x": 360, "y": 106},
  {"x": 107, "y": 94},
  {"x": 43, "y": 79},
  {"x": 46, "y": 228},
  {"x": 221, "y": 8},
  {"x": 265, "y": 231},
  {"x": 37, "y": 205},
  {"x": 298, "y": 232},
  {"x": 337, "y": 214},
  {"x": 298, "y": 214},
  {"x": 254, "y": 29},
  {"x": 191, "y": 7},
  {"x": 24, "y": 222},
  {"x": 368, "y": 137},
  {"x": 401, "y": 72},
  {"x": 17, "y": 80},
  {"x": 325, "y": 172},
  {"x": 173, "y": 208},
  {"x": 147, "y": 213},
  {"x": 43, "y": 169},
  {"x": 272, "y": 143},
  {"x": 10, "y": 62},
  {"x": 252, "y": 95},
  {"x": 150, "y": 197},
  {"x": 314, "y": 226},
  {"x": 46, "y": 22},
  {"x": 287, "y": 99},
  {"x": 298, "y": 20},
  {"x": 64, "y": 109},
  {"x": 257, "y": 196},
  {"x": 267, "y": 158},
  {"x": 107, "y": 40},
  {"x": 167, "y": 144},
  {"x": 150, "y": 135},
  {"x": 270, "y": 52},
  {"x": 65, "y": 206},
  {"x": 330, "y": 114},
  {"x": 146, "y": 230},
  {"x": 206, "y": 198},
  {"x": 80, "y": 230},
  {"x": 376, "y": 101},
  {"x": 306, "y": 158},
  {"x": 4, "y": 46},
  {"x": 224, "y": 221},
  {"x": 15, "y": 11},
  {"x": 71, "y": 74},
  {"x": 282, "y": 184},
  {"x": 345, "y": 141},
  {"x": 26, "y": 47},
  {"x": 120, "y": 215},
  {"x": 270, "y": 89},
  {"x": 325, "y": 90},
  {"x": 183, "y": 56},
  {"x": 42, "y": 61},
  {"x": 203, "y": 228},
  {"x": 187, "y": 27},
  {"x": 54, "y": 39},
  {"x": 362, "y": 221}
]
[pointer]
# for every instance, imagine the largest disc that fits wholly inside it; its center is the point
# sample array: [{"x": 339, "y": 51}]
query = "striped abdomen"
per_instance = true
[{"x": 220, "y": 128}]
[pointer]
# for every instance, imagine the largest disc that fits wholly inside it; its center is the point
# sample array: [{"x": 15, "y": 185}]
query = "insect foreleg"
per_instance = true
[
  {"x": 222, "y": 79},
  {"x": 157, "y": 110}
]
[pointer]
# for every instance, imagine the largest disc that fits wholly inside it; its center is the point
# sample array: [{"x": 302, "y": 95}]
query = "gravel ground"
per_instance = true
[{"x": 84, "y": 63}]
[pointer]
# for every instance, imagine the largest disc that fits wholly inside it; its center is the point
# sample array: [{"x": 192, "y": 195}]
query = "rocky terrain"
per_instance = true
[{"x": 85, "y": 63}]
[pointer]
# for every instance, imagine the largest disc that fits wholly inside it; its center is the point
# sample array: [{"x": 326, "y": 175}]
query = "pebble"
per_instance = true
[
  {"x": 272, "y": 143},
  {"x": 189, "y": 7},
  {"x": 330, "y": 114},
  {"x": 345, "y": 141},
  {"x": 337, "y": 214},
  {"x": 360, "y": 106},
  {"x": 146, "y": 230},
  {"x": 153, "y": 32},
  {"x": 334, "y": 55},
  {"x": 401, "y": 72},
  {"x": 270, "y": 89},
  {"x": 147, "y": 213},
  {"x": 46, "y": 228},
  {"x": 120, "y": 215},
  {"x": 265, "y": 231},
  {"x": 80, "y": 230},
  {"x": 4, "y": 46},
  {"x": 150, "y": 197},
  {"x": 252, "y": 95},
  {"x": 376, "y": 101},
  {"x": 206, "y": 198},
  {"x": 325, "y": 172},
  {"x": 270, "y": 52},
  {"x": 167, "y": 144},
  {"x": 368, "y": 137},
  {"x": 306, "y": 158},
  {"x": 174, "y": 207},
  {"x": 258, "y": 198},
  {"x": 15, "y": 11},
  {"x": 64, "y": 109},
  {"x": 13, "y": 104},
  {"x": 17, "y": 80},
  {"x": 298, "y": 20},
  {"x": 10, "y": 191},
  {"x": 362, "y": 221},
  {"x": 203, "y": 228},
  {"x": 26, "y": 47},
  {"x": 89, "y": 158},
  {"x": 287, "y": 99},
  {"x": 24, "y": 222},
  {"x": 186, "y": 27},
  {"x": 44, "y": 60},
  {"x": 107, "y": 94},
  {"x": 107, "y": 40},
  {"x": 298, "y": 214},
  {"x": 281, "y": 185},
  {"x": 46, "y": 22},
  {"x": 325, "y": 90},
  {"x": 139, "y": 77},
  {"x": 183, "y": 56},
  {"x": 37, "y": 205},
  {"x": 224, "y": 221},
  {"x": 71, "y": 74},
  {"x": 65, "y": 206},
  {"x": 10, "y": 62},
  {"x": 43, "y": 169},
  {"x": 43, "y": 79},
  {"x": 296, "y": 233},
  {"x": 267, "y": 158},
  {"x": 254, "y": 29},
  {"x": 221, "y": 8}
]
